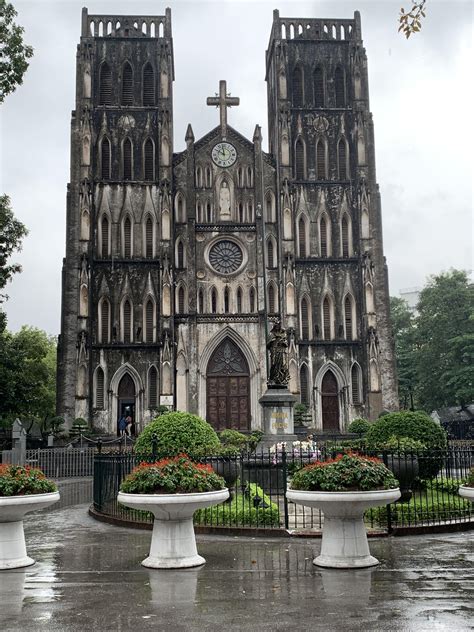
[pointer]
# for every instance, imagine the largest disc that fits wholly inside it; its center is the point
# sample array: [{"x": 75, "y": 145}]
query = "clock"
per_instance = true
[{"x": 224, "y": 154}]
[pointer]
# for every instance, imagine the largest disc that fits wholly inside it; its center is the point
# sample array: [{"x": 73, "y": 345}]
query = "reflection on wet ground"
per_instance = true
[{"x": 88, "y": 576}]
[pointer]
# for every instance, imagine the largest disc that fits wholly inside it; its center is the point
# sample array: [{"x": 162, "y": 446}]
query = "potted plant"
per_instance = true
[
  {"x": 22, "y": 489},
  {"x": 467, "y": 490},
  {"x": 343, "y": 488},
  {"x": 401, "y": 456},
  {"x": 173, "y": 489}
]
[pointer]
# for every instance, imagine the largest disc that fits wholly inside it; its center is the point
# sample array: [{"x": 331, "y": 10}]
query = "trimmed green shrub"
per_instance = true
[
  {"x": 177, "y": 433},
  {"x": 359, "y": 426},
  {"x": 233, "y": 438},
  {"x": 416, "y": 425}
]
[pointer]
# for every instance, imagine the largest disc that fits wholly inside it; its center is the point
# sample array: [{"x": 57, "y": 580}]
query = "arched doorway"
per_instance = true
[
  {"x": 330, "y": 402},
  {"x": 228, "y": 388},
  {"x": 126, "y": 400}
]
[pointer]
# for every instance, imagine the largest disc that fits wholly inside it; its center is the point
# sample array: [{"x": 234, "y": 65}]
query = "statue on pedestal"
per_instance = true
[{"x": 278, "y": 347}]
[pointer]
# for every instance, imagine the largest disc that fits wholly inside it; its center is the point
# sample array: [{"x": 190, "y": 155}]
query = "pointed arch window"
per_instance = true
[
  {"x": 149, "y": 160},
  {"x": 208, "y": 213},
  {"x": 200, "y": 302},
  {"x": 180, "y": 261},
  {"x": 318, "y": 88},
  {"x": 180, "y": 209},
  {"x": 305, "y": 327},
  {"x": 327, "y": 319},
  {"x": 104, "y": 237},
  {"x": 345, "y": 237},
  {"x": 355, "y": 384},
  {"x": 300, "y": 160},
  {"x": 270, "y": 253},
  {"x": 241, "y": 212},
  {"x": 324, "y": 236},
  {"x": 226, "y": 301},
  {"x": 149, "y": 320},
  {"x": 104, "y": 319},
  {"x": 152, "y": 387},
  {"x": 208, "y": 177},
  {"x": 271, "y": 299},
  {"x": 250, "y": 212},
  {"x": 302, "y": 237},
  {"x": 181, "y": 300},
  {"x": 105, "y": 155},
  {"x": 105, "y": 85},
  {"x": 348, "y": 322},
  {"x": 342, "y": 159},
  {"x": 127, "y": 238},
  {"x": 298, "y": 87},
  {"x": 249, "y": 176},
  {"x": 148, "y": 85},
  {"x": 127, "y": 159},
  {"x": 99, "y": 388},
  {"x": 270, "y": 208},
  {"x": 321, "y": 160},
  {"x": 239, "y": 300},
  {"x": 213, "y": 301},
  {"x": 127, "y": 321},
  {"x": 149, "y": 238},
  {"x": 340, "y": 88},
  {"x": 304, "y": 385},
  {"x": 252, "y": 300},
  {"x": 127, "y": 84}
]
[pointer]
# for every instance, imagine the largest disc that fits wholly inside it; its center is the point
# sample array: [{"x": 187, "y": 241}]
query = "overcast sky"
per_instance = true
[{"x": 421, "y": 97}]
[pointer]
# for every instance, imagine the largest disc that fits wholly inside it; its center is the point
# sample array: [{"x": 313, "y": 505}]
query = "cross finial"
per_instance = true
[{"x": 223, "y": 101}]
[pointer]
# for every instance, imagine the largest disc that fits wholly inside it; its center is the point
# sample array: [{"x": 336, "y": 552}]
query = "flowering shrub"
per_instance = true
[
  {"x": 176, "y": 475},
  {"x": 16, "y": 480},
  {"x": 347, "y": 472},
  {"x": 295, "y": 449}
]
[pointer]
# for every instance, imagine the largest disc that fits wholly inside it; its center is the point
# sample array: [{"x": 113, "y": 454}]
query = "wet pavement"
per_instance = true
[{"x": 88, "y": 577}]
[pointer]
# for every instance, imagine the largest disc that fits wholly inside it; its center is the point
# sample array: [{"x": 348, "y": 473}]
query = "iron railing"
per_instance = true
[
  {"x": 258, "y": 482},
  {"x": 55, "y": 462}
]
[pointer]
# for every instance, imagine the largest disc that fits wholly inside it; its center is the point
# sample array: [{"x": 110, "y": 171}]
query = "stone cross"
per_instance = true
[{"x": 223, "y": 101}]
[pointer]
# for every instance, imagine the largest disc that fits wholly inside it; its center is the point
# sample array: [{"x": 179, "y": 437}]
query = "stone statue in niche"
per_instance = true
[
  {"x": 84, "y": 269},
  {"x": 278, "y": 348},
  {"x": 224, "y": 201},
  {"x": 166, "y": 354},
  {"x": 373, "y": 343},
  {"x": 367, "y": 267},
  {"x": 81, "y": 346}
]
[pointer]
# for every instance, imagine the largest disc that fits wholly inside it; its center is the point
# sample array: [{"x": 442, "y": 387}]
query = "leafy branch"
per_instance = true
[{"x": 410, "y": 22}]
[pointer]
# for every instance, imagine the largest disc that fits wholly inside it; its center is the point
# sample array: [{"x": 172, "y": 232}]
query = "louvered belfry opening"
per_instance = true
[
  {"x": 99, "y": 388},
  {"x": 105, "y": 237},
  {"x": 298, "y": 87},
  {"x": 304, "y": 319},
  {"x": 127, "y": 84},
  {"x": 270, "y": 254},
  {"x": 181, "y": 302},
  {"x": 304, "y": 385},
  {"x": 299, "y": 160},
  {"x": 127, "y": 321},
  {"x": 149, "y": 309},
  {"x": 149, "y": 238},
  {"x": 152, "y": 387},
  {"x": 318, "y": 88},
  {"x": 105, "y": 85},
  {"x": 127, "y": 159},
  {"x": 104, "y": 321},
  {"x": 323, "y": 237},
  {"x": 105, "y": 159},
  {"x": 148, "y": 86},
  {"x": 149, "y": 162},
  {"x": 342, "y": 156},
  {"x": 302, "y": 237},
  {"x": 127, "y": 238},
  {"x": 327, "y": 319},
  {"x": 340, "y": 88},
  {"x": 355, "y": 384},
  {"x": 321, "y": 160},
  {"x": 348, "y": 317},
  {"x": 345, "y": 236}
]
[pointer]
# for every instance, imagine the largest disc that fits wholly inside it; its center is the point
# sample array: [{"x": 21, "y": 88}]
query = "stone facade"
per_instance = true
[{"x": 177, "y": 264}]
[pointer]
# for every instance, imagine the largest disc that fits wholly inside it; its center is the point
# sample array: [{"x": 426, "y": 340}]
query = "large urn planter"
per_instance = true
[
  {"x": 467, "y": 492},
  {"x": 405, "y": 468},
  {"x": 12, "y": 537},
  {"x": 173, "y": 542},
  {"x": 227, "y": 467},
  {"x": 344, "y": 542}
]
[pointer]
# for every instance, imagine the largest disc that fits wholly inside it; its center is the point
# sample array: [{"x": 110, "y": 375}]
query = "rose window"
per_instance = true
[{"x": 225, "y": 257}]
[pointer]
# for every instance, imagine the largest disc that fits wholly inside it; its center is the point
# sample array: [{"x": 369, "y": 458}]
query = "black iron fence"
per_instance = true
[{"x": 429, "y": 480}]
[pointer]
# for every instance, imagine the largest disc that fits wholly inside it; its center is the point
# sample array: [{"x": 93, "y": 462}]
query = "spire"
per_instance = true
[
  {"x": 257, "y": 135},
  {"x": 189, "y": 138}
]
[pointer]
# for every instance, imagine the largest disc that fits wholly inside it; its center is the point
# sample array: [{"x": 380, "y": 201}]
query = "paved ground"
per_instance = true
[{"x": 88, "y": 577}]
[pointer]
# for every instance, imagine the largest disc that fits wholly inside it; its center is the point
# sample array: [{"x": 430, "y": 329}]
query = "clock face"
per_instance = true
[{"x": 224, "y": 154}]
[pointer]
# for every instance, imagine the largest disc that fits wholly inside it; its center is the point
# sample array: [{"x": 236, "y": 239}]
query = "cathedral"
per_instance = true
[{"x": 178, "y": 264}]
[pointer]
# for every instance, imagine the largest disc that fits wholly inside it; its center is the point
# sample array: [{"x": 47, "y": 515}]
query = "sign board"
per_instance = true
[{"x": 166, "y": 400}]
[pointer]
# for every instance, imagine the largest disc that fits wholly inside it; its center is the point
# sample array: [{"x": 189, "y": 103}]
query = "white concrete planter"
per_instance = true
[
  {"x": 173, "y": 543},
  {"x": 12, "y": 537},
  {"x": 344, "y": 543},
  {"x": 467, "y": 492}
]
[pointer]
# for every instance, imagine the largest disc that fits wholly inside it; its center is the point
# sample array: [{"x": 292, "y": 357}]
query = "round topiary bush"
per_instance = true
[
  {"x": 359, "y": 426},
  {"x": 177, "y": 433},
  {"x": 415, "y": 425}
]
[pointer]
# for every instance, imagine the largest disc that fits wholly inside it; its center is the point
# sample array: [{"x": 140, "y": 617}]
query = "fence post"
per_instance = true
[
  {"x": 99, "y": 445},
  {"x": 285, "y": 481}
]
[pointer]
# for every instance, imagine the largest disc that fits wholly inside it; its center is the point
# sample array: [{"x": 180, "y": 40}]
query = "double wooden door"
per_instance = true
[{"x": 330, "y": 402}]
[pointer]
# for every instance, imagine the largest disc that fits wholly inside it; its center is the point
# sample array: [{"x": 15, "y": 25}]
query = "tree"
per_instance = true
[
  {"x": 27, "y": 375},
  {"x": 12, "y": 232},
  {"x": 15, "y": 53},
  {"x": 403, "y": 324},
  {"x": 445, "y": 341},
  {"x": 410, "y": 21}
]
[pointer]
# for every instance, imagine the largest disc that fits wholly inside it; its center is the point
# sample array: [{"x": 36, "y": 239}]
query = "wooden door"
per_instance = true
[
  {"x": 228, "y": 389},
  {"x": 330, "y": 402}
]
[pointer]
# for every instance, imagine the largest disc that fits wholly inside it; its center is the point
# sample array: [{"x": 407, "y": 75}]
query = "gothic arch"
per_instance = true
[
  {"x": 181, "y": 306},
  {"x": 350, "y": 317},
  {"x": 365, "y": 224},
  {"x": 180, "y": 253},
  {"x": 105, "y": 84},
  {"x": 345, "y": 228},
  {"x": 103, "y": 321},
  {"x": 126, "y": 233},
  {"x": 305, "y": 385},
  {"x": 321, "y": 159},
  {"x": 325, "y": 236},
  {"x": 342, "y": 388},
  {"x": 343, "y": 159},
  {"x": 306, "y": 324},
  {"x": 300, "y": 159},
  {"x": 99, "y": 393},
  {"x": 105, "y": 158},
  {"x": 298, "y": 86},
  {"x": 149, "y": 319},
  {"x": 356, "y": 384},
  {"x": 181, "y": 382},
  {"x": 152, "y": 383},
  {"x": 126, "y": 320},
  {"x": 139, "y": 395},
  {"x": 303, "y": 235},
  {"x": 270, "y": 215},
  {"x": 85, "y": 225},
  {"x": 319, "y": 87},
  {"x": 180, "y": 208},
  {"x": 213, "y": 301},
  {"x": 104, "y": 235},
  {"x": 272, "y": 253},
  {"x": 273, "y": 303},
  {"x": 127, "y": 84},
  {"x": 328, "y": 325},
  {"x": 148, "y": 157},
  {"x": 148, "y": 83},
  {"x": 84, "y": 301}
]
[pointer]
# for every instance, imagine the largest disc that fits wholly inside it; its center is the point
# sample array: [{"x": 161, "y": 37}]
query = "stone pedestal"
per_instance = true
[{"x": 278, "y": 423}]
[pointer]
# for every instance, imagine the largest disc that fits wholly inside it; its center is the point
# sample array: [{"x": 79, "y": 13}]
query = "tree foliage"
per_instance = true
[
  {"x": 12, "y": 232},
  {"x": 14, "y": 52},
  {"x": 405, "y": 345},
  {"x": 27, "y": 375},
  {"x": 410, "y": 21}
]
